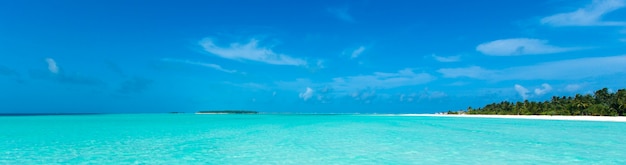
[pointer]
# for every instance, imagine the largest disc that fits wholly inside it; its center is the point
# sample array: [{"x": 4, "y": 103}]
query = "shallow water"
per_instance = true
[{"x": 305, "y": 139}]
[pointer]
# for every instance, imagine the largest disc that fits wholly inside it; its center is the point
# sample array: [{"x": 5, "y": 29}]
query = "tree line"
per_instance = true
[{"x": 600, "y": 103}]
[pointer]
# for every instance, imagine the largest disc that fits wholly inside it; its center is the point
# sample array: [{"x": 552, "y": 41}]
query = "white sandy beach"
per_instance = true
[{"x": 536, "y": 117}]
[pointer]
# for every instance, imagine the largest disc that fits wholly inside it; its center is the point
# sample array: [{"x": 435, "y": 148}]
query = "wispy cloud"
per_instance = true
[
  {"x": 545, "y": 88},
  {"x": 427, "y": 94},
  {"x": 307, "y": 94},
  {"x": 525, "y": 93},
  {"x": 558, "y": 70},
  {"x": 360, "y": 88},
  {"x": 447, "y": 59},
  {"x": 573, "y": 87},
  {"x": 66, "y": 78},
  {"x": 381, "y": 80},
  {"x": 357, "y": 52},
  {"x": 364, "y": 96},
  {"x": 408, "y": 97},
  {"x": 519, "y": 46},
  {"x": 341, "y": 13},
  {"x": 320, "y": 64},
  {"x": 250, "y": 51},
  {"x": 590, "y": 15},
  {"x": 208, "y": 65},
  {"x": 424, "y": 95},
  {"x": 55, "y": 74},
  {"x": 52, "y": 66}
]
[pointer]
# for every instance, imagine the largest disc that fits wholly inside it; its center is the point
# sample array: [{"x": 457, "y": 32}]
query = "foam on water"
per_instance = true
[{"x": 305, "y": 139}]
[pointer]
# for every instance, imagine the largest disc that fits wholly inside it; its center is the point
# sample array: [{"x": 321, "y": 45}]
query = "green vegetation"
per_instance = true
[
  {"x": 600, "y": 103},
  {"x": 228, "y": 112}
]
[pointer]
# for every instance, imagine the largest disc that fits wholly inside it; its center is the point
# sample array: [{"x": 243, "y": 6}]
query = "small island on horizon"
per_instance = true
[
  {"x": 228, "y": 112},
  {"x": 600, "y": 103}
]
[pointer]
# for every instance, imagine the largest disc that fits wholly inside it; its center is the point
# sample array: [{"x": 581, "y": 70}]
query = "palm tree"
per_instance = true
[{"x": 620, "y": 100}]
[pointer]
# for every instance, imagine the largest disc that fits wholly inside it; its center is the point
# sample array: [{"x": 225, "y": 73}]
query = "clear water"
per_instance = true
[{"x": 305, "y": 139}]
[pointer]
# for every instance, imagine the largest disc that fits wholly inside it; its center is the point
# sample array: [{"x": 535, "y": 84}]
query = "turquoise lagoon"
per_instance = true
[{"x": 305, "y": 139}]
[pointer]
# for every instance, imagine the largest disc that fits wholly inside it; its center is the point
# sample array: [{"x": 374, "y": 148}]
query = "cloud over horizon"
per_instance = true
[
  {"x": 519, "y": 46},
  {"x": 381, "y": 80},
  {"x": 556, "y": 70},
  {"x": 590, "y": 15},
  {"x": 525, "y": 93},
  {"x": 545, "y": 89},
  {"x": 250, "y": 51},
  {"x": 55, "y": 74},
  {"x": 307, "y": 94}
]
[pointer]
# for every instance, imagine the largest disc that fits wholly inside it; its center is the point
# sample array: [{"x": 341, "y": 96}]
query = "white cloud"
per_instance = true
[
  {"x": 522, "y": 91},
  {"x": 437, "y": 94},
  {"x": 362, "y": 88},
  {"x": 306, "y": 95},
  {"x": 341, "y": 13},
  {"x": 447, "y": 59},
  {"x": 545, "y": 89},
  {"x": 591, "y": 15},
  {"x": 558, "y": 70},
  {"x": 525, "y": 93},
  {"x": 381, "y": 80},
  {"x": 429, "y": 95},
  {"x": 208, "y": 65},
  {"x": 573, "y": 87},
  {"x": 357, "y": 52},
  {"x": 519, "y": 46},
  {"x": 250, "y": 51},
  {"x": 408, "y": 97},
  {"x": 366, "y": 96},
  {"x": 52, "y": 66}
]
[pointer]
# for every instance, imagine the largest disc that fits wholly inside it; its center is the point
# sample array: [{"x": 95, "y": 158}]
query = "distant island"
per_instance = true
[
  {"x": 227, "y": 112},
  {"x": 600, "y": 103}
]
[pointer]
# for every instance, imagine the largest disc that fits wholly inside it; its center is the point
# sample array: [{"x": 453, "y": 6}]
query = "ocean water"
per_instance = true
[{"x": 305, "y": 139}]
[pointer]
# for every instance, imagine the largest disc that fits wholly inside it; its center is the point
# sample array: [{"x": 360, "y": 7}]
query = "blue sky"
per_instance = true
[{"x": 297, "y": 56}]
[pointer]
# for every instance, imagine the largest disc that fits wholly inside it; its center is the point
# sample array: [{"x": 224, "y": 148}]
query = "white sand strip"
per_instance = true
[{"x": 536, "y": 117}]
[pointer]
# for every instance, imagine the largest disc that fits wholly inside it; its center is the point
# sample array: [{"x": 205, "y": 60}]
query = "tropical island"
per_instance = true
[
  {"x": 227, "y": 112},
  {"x": 600, "y": 103}
]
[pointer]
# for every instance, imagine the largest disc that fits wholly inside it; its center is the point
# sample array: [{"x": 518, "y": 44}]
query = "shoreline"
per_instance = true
[{"x": 532, "y": 117}]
